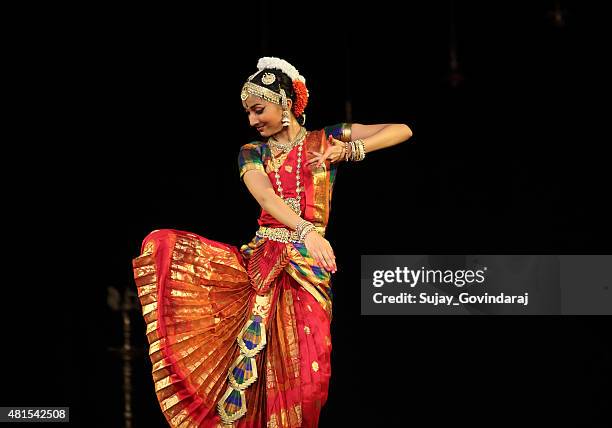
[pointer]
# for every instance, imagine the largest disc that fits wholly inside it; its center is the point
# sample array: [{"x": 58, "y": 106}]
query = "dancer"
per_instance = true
[{"x": 241, "y": 337}]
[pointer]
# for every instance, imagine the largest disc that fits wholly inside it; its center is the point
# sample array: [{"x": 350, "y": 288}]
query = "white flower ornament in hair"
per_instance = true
[
  {"x": 282, "y": 65},
  {"x": 299, "y": 82}
]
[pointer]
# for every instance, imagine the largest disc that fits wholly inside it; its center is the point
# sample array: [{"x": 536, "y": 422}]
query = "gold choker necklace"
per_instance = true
[{"x": 286, "y": 148}]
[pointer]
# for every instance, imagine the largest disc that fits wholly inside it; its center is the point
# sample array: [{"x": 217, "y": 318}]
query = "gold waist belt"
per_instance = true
[{"x": 282, "y": 234}]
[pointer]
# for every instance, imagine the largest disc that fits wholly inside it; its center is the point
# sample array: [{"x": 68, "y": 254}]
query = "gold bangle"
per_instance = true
[
  {"x": 307, "y": 229},
  {"x": 359, "y": 154}
]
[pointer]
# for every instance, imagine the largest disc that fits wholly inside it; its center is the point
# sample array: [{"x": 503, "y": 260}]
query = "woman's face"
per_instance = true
[{"x": 264, "y": 116}]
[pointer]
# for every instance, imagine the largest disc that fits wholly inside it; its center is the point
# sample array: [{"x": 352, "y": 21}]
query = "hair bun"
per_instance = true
[{"x": 282, "y": 65}]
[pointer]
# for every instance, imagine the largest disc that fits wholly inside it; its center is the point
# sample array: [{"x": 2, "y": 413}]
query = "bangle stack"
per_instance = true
[
  {"x": 303, "y": 228},
  {"x": 354, "y": 151}
]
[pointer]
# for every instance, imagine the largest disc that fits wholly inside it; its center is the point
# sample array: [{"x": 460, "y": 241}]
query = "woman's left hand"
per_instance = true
[{"x": 335, "y": 153}]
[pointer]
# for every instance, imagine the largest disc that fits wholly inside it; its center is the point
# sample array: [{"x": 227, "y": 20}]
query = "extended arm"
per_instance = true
[{"x": 374, "y": 137}]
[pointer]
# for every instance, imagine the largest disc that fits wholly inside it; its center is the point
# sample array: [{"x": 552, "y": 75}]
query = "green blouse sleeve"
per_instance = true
[{"x": 250, "y": 158}]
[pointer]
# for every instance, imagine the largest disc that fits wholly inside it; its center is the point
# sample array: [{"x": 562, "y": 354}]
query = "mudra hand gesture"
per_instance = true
[
  {"x": 335, "y": 153},
  {"x": 320, "y": 249}
]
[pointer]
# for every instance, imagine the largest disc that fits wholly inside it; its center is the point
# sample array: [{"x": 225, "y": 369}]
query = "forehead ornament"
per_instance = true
[{"x": 268, "y": 78}]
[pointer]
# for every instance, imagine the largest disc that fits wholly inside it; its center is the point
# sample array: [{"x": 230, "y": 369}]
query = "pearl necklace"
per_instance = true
[{"x": 293, "y": 203}]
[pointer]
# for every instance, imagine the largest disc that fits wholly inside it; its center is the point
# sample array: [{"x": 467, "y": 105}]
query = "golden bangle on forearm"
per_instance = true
[
  {"x": 355, "y": 150},
  {"x": 303, "y": 228},
  {"x": 349, "y": 151},
  {"x": 345, "y": 134},
  {"x": 305, "y": 231},
  {"x": 300, "y": 227}
]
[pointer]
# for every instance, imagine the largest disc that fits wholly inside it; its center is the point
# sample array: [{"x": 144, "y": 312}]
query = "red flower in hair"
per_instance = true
[{"x": 301, "y": 97}]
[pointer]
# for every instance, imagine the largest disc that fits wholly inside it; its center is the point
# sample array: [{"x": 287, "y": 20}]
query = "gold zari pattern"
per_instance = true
[
  {"x": 178, "y": 311},
  {"x": 291, "y": 417}
]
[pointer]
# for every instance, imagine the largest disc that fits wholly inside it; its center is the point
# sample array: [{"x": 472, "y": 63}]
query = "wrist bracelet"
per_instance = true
[
  {"x": 307, "y": 229},
  {"x": 358, "y": 150},
  {"x": 301, "y": 226}
]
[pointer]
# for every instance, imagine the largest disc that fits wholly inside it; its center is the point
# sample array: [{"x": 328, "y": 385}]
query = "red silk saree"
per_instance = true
[{"x": 241, "y": 337}]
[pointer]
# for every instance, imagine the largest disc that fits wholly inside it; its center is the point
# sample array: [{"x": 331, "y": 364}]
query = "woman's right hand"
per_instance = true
[{"x": 320, "y": 249}]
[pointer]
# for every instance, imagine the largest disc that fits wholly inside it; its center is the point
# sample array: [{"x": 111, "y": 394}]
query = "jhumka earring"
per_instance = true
[{"x": 286, "y": 121}]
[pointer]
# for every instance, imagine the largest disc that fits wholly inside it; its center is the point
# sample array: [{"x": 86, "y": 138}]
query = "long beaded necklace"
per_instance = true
[{"x": 293, "y": 203}]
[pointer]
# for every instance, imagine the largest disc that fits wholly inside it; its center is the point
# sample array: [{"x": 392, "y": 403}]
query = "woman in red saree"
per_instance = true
[{"x": 241, "y": 337}]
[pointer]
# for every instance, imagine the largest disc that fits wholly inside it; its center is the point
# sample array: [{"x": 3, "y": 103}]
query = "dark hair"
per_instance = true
[{"x": 282, "y": 81}]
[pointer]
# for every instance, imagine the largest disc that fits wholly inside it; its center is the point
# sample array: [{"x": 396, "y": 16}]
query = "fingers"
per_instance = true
[
  {"x": 332, "y": 153},
  {"x": 320, "y": 158},
  {"x": 326, "y": 260},
  {"x": 315, "y": 158},
  {"x": 330, "y": 149},
  {"x": 322, "y": 253},
  {"x": 330, "y": 262},
  {"x": 325, "y": 156}
]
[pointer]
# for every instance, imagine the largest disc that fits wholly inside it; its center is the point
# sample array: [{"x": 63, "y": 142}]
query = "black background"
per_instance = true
[{"x": 128, "y": 120}]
